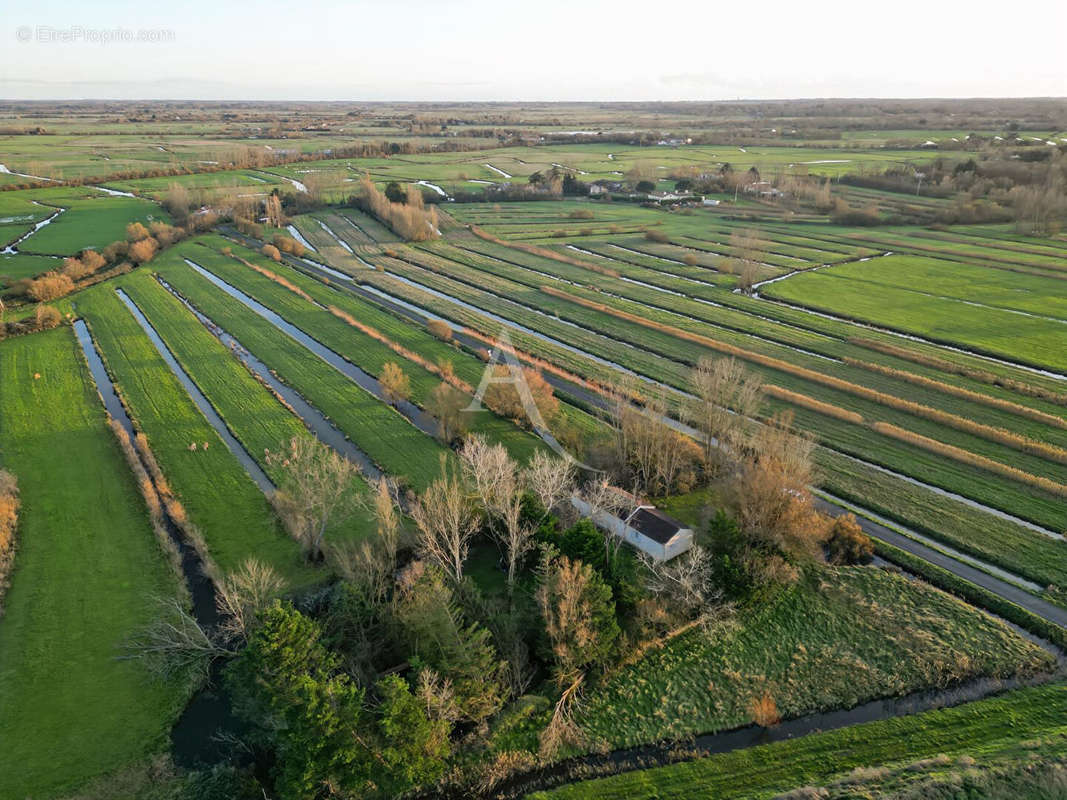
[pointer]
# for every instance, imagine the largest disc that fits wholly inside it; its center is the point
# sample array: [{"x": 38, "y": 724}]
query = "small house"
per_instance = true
[{"x": 643, "y": 526}]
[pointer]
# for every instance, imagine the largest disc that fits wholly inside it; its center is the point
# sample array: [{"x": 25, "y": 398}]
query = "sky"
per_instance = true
[{"x": 468, "y": 50}]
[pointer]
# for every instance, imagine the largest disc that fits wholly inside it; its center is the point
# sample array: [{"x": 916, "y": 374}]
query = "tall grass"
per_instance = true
[
  {"x": 967, "y": 457},
  {"x": 959, "y": 391},
  {"x": 1022, "y": 387},
  {"x": 804, "y": 401}
]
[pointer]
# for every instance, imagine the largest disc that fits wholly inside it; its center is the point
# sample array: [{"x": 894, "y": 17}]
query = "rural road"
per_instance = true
[{"x": 1002, "y": 588}]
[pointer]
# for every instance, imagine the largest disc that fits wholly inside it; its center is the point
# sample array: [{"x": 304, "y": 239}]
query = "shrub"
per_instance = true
[
  {"x": 581, "y": 213},
  {"x": 135, "y": 232},
  {"x": 271, "y": 252},
  {"x": 439, "y": 328},
  {"x": 765, "y": 711},
  {"x": 47, "y": 318},
  {"x": 75, "y": 269},
  {"x": 165, "y": 234},
  {"x": 503, "y": 398},
  {"x": 143, "y": 250},
  {"x": 93, "y": 260},
  {"x": 287, "y": 244},
  {"x": 9, "y": 516},
  {"x": 115, "y": 252},
  {"x": 396, "y": 386},
  {"x": 657, "y": 236},
  {"x": 50, "y": 286},
  {"x": 847, "y": 543}
]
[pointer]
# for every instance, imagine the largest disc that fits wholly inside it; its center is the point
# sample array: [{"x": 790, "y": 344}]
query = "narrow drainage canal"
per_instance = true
[
  {"x": 300, "y": 237},
  {"x": 335, "y": 237},
  {"x": 193, "y": 737},
  {"x": 254, "y": 470},
  {"x": 323, "y": 429},
  {"x": 591, "y": 766},
  {"x": 420, "y": 419}
]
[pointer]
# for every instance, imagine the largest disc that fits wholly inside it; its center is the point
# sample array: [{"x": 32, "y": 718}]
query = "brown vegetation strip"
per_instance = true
[
  {"x": 959, "y": 391},
  {"x": 544, "y": 252},
  {"x": 151, "y": 497},
  {"x": 274, "y": 276},
  {"x": 958, "y": 369},
  {"x": 967, "y": 457},
  {"x": 400, "y": 350},
  {"x": 9, "y": 518},
  {"x": 173, "y": 506},
  {"x": 804, "y": 401},
  {"x": 998, "y": 435}
]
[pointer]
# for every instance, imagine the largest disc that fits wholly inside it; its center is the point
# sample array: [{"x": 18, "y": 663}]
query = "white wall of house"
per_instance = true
[{"x": 680, "y": 543}]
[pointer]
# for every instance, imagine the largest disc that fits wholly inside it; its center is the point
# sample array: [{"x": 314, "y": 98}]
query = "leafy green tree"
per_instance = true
[
  {"x": 394, "y": 192},
  {"x": 579, "y": 617},
  {"x": 436, "y": 634},
  {"x": 414, "y": 745},
  {"x": 289, "y": 686}
]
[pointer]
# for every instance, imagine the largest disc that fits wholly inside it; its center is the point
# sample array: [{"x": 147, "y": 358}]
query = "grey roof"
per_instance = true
[{"x": 654, "y": 524}]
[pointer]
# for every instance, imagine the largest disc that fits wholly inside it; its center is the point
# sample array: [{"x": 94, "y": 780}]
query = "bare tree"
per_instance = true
[
  {"x": 498, "y": 483},
  {"x": 446, "y": 405},
  {"x": 396, "y": 386},
  {"x": 446, "y": 520},
  {"x": 685, "y": 582},
  {"x": 750, "y": 251},
  {"x": 317, "y": 491},
  {"x": 726, "y": 395},
  {"x": 243, "y": 594},
  {"x": 770, "y": 491},
  {"x": 657, "y": 459},
  {"x": 174, "y": 643},
  {"x": 600, "y": 497},
  {"x": 550, "y": 480}
]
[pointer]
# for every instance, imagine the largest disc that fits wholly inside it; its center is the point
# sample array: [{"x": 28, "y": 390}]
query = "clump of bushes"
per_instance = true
[
  {"x": 844, "y": 214},
  {"x": 47, "y": 318},
  {"x": 287, "y": 244},
  {"x": 50, "y": 286},
  {"x": 657, "y": 236},
  {"x": 271, "y": 252},
  {"x": 847, "y": 543},
  {"x": 409, "y": 219},
  {"x": 9, "y": 517},
  {"x": 439, "y": 328}
]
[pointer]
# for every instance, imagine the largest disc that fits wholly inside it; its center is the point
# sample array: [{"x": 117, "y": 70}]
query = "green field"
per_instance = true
[
  {"x": 1017, "y": 727},
  {"x": 914, "y": 298},
  {"x": 231, "y": 512},
  {"x": 89, "y": 222},
  {"x": 966, "y": 451},
  {"x": 837, "y": 639},
  {"x": 87, "y": 568}
]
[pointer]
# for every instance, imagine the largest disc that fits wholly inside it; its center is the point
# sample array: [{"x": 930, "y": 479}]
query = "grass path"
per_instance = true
[{"x": 87, "y": 564}]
